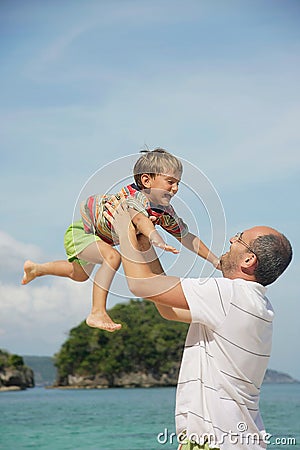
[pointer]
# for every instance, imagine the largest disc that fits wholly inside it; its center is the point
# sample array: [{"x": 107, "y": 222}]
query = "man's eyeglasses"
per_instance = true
[{"x": 238, "y": 238}]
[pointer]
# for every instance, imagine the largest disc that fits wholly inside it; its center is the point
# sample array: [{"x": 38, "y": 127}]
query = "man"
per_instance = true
[{"x": 229, "y": 340}]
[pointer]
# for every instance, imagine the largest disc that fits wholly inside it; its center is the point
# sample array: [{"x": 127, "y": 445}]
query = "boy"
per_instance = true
[{"x": 91, "y": 240}]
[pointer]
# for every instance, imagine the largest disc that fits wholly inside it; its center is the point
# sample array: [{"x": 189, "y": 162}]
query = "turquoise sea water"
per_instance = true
[{"x": 122, "y": 419}]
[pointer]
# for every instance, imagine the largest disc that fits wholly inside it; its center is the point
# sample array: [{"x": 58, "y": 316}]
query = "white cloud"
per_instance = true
[
  {"x": 10, "y": 247},
  {"x": 13, "y": 255},
  {"x": 35, "y": 319}
]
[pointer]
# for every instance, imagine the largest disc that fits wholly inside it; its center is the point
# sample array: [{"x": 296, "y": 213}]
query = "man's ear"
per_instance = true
[
  {"x": 249, "y": 263},
  {"x": 146, "y": 181}
]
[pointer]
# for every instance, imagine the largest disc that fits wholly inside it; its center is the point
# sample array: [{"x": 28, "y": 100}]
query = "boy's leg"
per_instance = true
[
  {"x": 61, "y": 268},
  {"x": 75, "y": 238},
  {"x": 98, "y": 318},
  {"x": 100, "y": 252}
]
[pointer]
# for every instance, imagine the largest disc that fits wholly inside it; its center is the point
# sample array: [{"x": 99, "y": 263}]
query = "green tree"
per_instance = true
[
  {"x": 15, "y": 361},
  {"x": 146, "y": 343}
]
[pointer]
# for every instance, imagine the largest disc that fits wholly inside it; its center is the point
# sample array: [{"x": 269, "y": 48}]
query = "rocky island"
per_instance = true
[
  {"x": 273, "y": 376},
  {"x": 146, "y": 352},
  {"x": 14, "y": 374}
]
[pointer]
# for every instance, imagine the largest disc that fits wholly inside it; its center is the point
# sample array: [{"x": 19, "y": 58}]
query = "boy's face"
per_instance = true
[{"x": 161, "y": 188}]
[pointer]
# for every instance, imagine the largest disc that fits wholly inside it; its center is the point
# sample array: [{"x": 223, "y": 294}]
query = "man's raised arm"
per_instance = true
[{"x": 142, "y": 282}]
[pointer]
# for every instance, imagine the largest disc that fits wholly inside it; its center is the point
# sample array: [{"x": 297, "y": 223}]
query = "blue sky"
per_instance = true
[{"x": 86, "y": 85}]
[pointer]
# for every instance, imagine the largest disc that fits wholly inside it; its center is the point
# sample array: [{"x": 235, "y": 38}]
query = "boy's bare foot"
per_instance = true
[
  {"x": 30, "y": 272},
  {"x": 102, "y": 321}
]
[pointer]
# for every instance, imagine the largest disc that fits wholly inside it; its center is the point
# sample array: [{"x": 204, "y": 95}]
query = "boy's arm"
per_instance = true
[
  {"x": 146, "y": 227},
  {"x": 193, "y": 243}
]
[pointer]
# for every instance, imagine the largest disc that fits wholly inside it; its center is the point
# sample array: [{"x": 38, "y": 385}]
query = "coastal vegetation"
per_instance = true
[
  {"x": 14, "y": 374},
  {"x": 147, "y": 350}
]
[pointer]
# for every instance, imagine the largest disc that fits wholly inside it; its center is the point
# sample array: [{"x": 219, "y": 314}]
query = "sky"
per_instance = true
[{"x": 86, "y": 85}]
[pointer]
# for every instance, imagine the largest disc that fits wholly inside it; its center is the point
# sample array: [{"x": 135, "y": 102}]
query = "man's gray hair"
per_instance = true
[{"x": 274, "y": 253}]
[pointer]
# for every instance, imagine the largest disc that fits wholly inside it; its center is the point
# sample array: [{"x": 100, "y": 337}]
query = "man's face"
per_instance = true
[
  {"x": 240, "y": 257},
  {"x": 163, "y": 188},
  {"x": 240, "y": 246},
  {"x": 229, "y": 262}
]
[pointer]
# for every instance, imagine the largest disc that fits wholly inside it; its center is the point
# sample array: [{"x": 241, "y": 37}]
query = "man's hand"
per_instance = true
[
  {"x": 217, "y": 264},
  {"x": 119, "y": 216}
]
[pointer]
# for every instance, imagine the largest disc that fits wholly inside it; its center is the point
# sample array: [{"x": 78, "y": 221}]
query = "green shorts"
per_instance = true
[
  {"x": 188, "y": 445},
  {"x": 193, "y": 446},
  {"x": 76, "y": 240}
]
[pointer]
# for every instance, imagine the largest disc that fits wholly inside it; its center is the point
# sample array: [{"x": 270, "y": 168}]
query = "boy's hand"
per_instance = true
[
  {"x": 156, "y": 240},
  {"x": 166, "y": 247},
  {"x": 216, "y": 263}
]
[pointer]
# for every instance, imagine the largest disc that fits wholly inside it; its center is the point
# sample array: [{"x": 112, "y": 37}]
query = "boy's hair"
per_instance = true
[{"x": 155, "y": 162}]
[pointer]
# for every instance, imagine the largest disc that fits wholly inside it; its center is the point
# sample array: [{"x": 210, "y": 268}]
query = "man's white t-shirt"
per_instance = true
[{"x": 224, "y": 361}]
